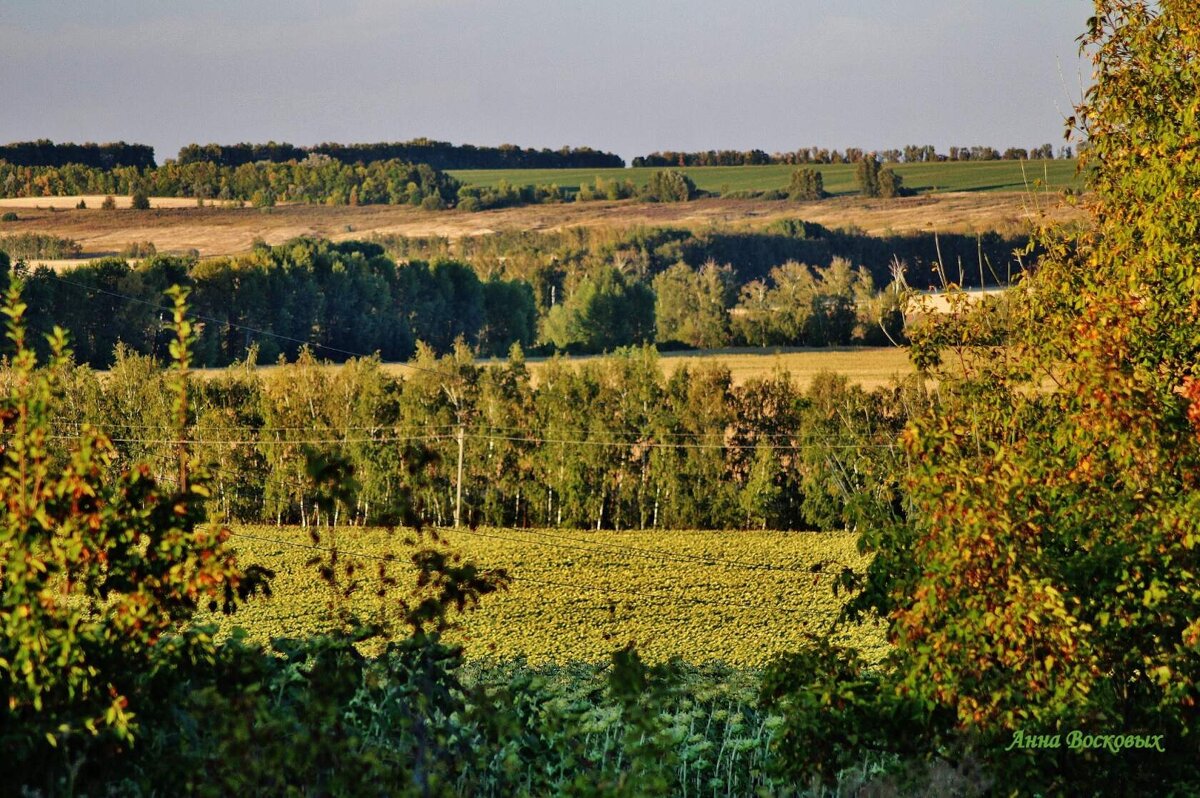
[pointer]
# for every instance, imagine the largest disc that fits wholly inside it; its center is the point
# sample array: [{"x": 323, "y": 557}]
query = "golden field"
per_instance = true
[{"x": 177, "y": 225}]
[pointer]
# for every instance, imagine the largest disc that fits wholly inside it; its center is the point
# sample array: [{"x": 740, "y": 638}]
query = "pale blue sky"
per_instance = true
[{"x": 627, "y": 76}]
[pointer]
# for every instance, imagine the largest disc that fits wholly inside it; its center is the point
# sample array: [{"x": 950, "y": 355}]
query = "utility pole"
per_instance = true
[{"x": 458, "y": 484}]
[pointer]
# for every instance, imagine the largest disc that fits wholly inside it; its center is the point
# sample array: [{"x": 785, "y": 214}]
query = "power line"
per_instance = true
[
  {"x": 397, "y": 428},
  {"x": 653, "y": 444},
  {"x": 257, "y": 441},
  {"x": 664, "y": 445},
  {"x": 198, "y": 427}
]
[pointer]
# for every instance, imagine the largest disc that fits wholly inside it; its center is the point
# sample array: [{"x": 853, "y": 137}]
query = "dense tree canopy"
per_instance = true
[
  {"x": 316, "y": 179},
  {"x": 342, "y": 299},
  {"x": 44, "y": 152}
]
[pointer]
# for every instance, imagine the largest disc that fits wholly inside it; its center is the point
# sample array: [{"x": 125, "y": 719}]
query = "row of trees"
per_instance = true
[
  {"x": 28, "y": 246},
  {"x": 444, "y": 155},
  {"x": 609, "y": 443},
  {"x": 341, "y": 299},
  {"x": 438, "y": 154},
  {"x": 44, "y": 152},
  {"x": 317, "y": 179},
  {"x": 911, "y": 153},
  {"x": 348, "y": 299}
]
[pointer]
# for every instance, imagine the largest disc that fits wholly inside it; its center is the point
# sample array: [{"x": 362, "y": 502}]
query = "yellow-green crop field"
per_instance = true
[{"x": 737, "y": 597}]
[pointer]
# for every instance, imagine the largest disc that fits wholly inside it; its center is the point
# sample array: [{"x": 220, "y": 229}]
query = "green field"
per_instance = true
[
  {"x": 839, "y": 178},
  {"x": 736, "y": 597}
]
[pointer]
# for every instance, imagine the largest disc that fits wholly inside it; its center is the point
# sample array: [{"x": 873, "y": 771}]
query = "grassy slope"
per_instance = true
[
  {"x": 839, "y": 178},
  {"x": 579, "y": 595}
]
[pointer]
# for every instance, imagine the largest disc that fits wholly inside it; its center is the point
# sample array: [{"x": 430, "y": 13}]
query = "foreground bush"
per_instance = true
[{"x": 99, "y": 567}]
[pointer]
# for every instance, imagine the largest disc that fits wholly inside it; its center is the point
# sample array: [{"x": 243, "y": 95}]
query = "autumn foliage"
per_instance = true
[{"x": 1043, "y": 577}]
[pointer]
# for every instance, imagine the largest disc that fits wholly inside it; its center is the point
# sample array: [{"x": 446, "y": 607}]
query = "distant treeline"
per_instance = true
[
  {"x": 438, "y": 154},
  {"x": 606, "y": 444},
  {"x": 794, "y": 283},
  {"x": 44, "y": 152},
  {"x": 316, "y": 179},
  {"x": 820, "y": 155}
]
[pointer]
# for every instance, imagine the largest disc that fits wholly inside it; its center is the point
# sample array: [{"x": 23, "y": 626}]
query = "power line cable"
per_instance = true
[
  {"x": 509, "y": 438},
  {"x": 257, "y": 441}
]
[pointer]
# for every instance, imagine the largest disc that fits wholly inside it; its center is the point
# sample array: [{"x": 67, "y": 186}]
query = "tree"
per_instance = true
[
  {"x": 139, "y": 200},
  {"x": 668, "y": 185},
  {"x": 890, "y": 184},
  {"x": 510, "y": 314},
  {"x": 761, "y": 495},
  {"x": 606, "y": 310},
  {"x": 1042, "y": 572},
  {"x": 791, "y": 300},
  {"x": 751, "y": 321},
  {"x": 806, "y": 184},
  {"x": 100, "y": 568},
  {"x": 867, "y": 173},
  {"x": 692, "y": 307},
  {"x": 833, "y": 317}
]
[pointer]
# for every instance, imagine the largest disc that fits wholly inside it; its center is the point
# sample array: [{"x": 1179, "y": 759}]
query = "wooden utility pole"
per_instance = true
[{"x": 458, "y": 482}]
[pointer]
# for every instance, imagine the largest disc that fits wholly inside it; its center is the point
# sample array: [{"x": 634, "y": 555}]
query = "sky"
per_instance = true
[{"x": 626, "y": 76}]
